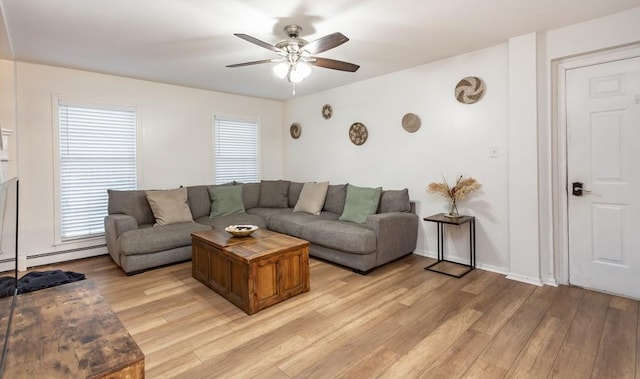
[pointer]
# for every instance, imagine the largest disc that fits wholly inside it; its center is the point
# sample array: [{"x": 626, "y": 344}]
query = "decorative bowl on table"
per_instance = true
[{"x": 240, "y": 230}]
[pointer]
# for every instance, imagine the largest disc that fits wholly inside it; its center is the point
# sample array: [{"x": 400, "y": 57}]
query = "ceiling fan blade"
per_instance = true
[
  {"x": 333, "y": 64},
  {"x": 256, "y": 41},
  {"x": 251, "y": 63},
  {"x": 325, "y": 43}
]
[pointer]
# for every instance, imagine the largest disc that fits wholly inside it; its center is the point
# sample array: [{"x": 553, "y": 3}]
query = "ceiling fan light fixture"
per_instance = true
[
  {"x": 298, "y": 72},
  {"x": 303, "y": 69},
  {"x": 281, "y": 70},
  {"x": 295, "y": 54}
]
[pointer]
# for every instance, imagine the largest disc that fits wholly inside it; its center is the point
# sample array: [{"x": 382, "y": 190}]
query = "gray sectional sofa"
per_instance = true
[{"x": 135, "y": 244}]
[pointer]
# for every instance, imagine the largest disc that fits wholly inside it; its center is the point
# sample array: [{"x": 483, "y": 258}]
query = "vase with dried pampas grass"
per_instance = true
[{"x": 461, "y": 188}]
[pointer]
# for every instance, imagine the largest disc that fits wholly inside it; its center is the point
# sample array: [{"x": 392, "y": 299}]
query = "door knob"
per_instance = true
[{"x": 577, "y": 189}]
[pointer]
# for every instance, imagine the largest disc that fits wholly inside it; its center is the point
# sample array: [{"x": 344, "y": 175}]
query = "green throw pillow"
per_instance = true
[
  {"x": 225, "y": 200},
  {"x": 360, "y": 203}
]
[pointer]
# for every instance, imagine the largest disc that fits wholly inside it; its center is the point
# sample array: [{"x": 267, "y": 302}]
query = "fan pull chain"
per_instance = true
[{"x": 293, "y": 89}]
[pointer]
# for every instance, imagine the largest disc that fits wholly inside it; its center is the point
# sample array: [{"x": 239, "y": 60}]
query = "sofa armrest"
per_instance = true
[
  {"x": 114, "y": 226},
  {"x": 396, "y": 234}
]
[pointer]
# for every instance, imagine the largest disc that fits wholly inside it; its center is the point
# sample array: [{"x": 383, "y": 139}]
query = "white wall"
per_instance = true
[
  {"x": 454, "y": 139},
  {"x": 174, "y": 134},
  {"x": 523, "y": 162}
]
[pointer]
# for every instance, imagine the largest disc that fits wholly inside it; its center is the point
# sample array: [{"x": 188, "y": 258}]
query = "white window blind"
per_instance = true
[
  {"x": 236, "y": 150},
  {"x": 97, "y": 152}
]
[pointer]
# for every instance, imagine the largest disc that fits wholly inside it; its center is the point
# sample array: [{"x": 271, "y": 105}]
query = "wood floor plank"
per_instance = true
[
  {"x": 459, "y": 357},
  {"x": 509, "y": 342},
  {"x": 484, "y": 370},
  {"x": 425, "y": 288},
  {"x": 616, "y": 352},
  {"x": 503, "y": 308},
  {"x": 351, "y": 352},
  {"x": 420, "y": 357},
  {"x": 425, "y": 318},
  {"x": 372, "y": 365},
  {"x": 483, "y": 280},
  {"x": 399, "y": 321},
  {"x": 578, "y": 352},
  {"x": 538, "y": 356},
  {"x": 340, "y": 335},
  {"x": 170, "y": 368},
  {"x": 267, "y": 349}
]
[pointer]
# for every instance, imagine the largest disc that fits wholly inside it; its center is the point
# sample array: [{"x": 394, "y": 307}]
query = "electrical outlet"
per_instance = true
[{"x": 494, "y": 152}]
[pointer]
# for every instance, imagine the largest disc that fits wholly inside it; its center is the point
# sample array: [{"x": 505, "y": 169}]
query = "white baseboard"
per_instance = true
[
  {"x": 550, "y": 281},
  {"x": 62, "y": 256},
  {"x": 525, "y": 279},
  {"x": 481, "y": 266}
]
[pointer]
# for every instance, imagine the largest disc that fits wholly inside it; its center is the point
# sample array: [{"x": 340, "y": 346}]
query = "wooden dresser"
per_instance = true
[{"x": 70, "y": 331}]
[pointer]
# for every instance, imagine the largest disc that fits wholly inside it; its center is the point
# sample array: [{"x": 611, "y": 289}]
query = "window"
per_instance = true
[
  {"x": 97, "y": 151},
  {"x": 235, "y": 142}
]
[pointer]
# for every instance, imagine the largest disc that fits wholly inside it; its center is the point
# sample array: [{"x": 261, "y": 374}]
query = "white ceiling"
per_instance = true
[{"x": 189, "y": 42}]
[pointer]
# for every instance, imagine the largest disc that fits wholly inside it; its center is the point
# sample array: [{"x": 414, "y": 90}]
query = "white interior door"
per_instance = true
[{"x": 603, "y": 153}]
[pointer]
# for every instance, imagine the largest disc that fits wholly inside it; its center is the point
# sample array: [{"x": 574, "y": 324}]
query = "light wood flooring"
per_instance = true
[{"x": 400, "y": 321}]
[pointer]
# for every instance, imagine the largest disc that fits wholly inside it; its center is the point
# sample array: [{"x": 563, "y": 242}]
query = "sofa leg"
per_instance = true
[{"x": 362, "y": 272}]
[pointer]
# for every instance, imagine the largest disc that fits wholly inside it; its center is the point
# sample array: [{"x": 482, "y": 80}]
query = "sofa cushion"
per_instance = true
[
  {"x": 266, "y": 213},
  {"x": 394, "y": 201},
  {"x": 293, "y": 223},
  {"x": 250, "y": 195},
  {"x": 294, "y": 193},
  {"x": 360, "y": 203},
  {"x": 151, "y": 240},
  {"x": 312, "y": 198},
  {"x": 336, "y": 195},
  {"x": 169, "y": 206},
  {"x": 274, "y": 194},
  {"x": 352, "y": 238},
  {"x": 131, "y": 202},
  {"x": 225, "y": 200},
  {"x": 199, "y": 201},
  {"x": 236, "y": 219}
]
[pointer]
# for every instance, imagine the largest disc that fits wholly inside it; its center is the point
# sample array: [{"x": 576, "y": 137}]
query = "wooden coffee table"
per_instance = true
[{"x": 251, "y": 272}]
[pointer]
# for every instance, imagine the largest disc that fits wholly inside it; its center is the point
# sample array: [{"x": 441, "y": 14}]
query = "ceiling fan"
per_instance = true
[{"x": 296, "y": 54}]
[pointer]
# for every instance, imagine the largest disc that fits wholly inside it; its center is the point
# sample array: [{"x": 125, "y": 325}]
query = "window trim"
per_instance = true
[
  {"x": 237, "y": 118},
  {"x": 56, "y": 101}
]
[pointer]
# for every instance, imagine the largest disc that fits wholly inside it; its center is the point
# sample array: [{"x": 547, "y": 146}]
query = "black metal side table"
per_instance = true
[{"x": 442, "y": 220}]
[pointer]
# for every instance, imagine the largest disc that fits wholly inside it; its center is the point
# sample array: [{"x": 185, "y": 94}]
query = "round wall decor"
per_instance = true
[
  {"x": 295, "y": 130},
  {"x": 327, "y": 111},
  {"x": 358, "y": 133},
  {"x": 411, "y": 122},
  {"x": 469, "y": 90}
]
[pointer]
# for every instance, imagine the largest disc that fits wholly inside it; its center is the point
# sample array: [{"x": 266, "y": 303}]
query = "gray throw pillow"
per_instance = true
[
  {"x": 294, "y": 193},
  {"x": 133, "y": 203},
  {"x": 169, "y": 206},
  {"x": 336, "y": 195},
  {"x": 312, "y": 198},
  {"x": 360, "y": 203},
  {"x": 394, "y": 201},
  {"x": 273, "y": 194},
  {"x": 225, "y": 200},
  {"x": 250, "y": 195}
]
